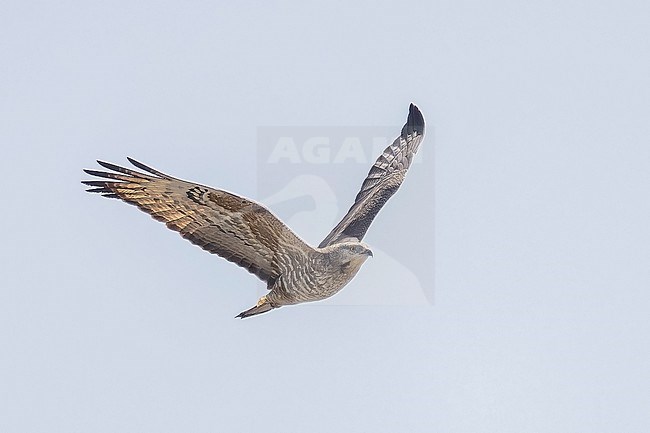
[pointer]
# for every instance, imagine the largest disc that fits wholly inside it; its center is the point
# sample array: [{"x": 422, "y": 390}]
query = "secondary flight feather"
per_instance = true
[{"x": 249, "y": 235}]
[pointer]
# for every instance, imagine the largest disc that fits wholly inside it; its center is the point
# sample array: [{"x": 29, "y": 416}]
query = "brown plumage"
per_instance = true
[{"x": 249, "y": 235}]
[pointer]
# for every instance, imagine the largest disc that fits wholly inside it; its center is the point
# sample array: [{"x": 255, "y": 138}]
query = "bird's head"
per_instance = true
[
  {"x": 358, "y": 249},
  {"x": 349, "y": 252}
]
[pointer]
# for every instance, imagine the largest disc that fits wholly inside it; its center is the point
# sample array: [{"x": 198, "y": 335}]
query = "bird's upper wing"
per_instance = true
[
  {"x": 384, "y": 178},
  {"x": 235, "y": 228}
]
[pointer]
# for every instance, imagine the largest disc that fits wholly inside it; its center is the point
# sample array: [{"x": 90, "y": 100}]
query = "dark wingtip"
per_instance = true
[
  {"x": 146, "y": 168},
  {"x": 414, "y": 122}
]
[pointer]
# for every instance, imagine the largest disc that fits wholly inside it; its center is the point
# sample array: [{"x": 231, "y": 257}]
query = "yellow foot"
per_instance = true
[{"x": 262, "y": 301}]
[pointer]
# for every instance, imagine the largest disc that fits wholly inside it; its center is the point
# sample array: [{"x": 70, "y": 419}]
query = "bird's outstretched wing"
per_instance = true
[
  {"x": 384, "y": 178},
  {"x": 235, "y": 228}
]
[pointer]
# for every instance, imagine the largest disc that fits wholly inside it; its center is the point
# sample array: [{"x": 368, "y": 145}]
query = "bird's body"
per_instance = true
[
  {"x": 317, "y": 274},
  {"x": 248, "y": 234}
]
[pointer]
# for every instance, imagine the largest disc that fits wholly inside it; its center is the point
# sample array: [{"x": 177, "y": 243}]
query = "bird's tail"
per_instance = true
[{"x": 262, "y": 307}]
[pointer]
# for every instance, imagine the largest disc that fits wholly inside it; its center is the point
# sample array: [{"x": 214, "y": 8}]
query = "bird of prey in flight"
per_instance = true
[{"x": 249, "y": 235}]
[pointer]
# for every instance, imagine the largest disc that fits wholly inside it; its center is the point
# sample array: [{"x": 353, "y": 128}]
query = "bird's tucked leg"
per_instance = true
[{"x": 262, "y": 307}]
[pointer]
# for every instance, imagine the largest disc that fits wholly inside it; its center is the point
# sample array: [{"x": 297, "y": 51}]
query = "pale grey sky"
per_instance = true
[{"x": 538, "y": 143}]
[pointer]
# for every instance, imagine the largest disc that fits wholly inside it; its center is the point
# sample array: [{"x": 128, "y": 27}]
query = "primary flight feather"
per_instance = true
[{"x": 248, "y": 234}]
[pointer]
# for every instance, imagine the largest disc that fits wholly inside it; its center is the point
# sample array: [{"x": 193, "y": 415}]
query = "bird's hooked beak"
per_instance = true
[{"x": 368, "y": 252}]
